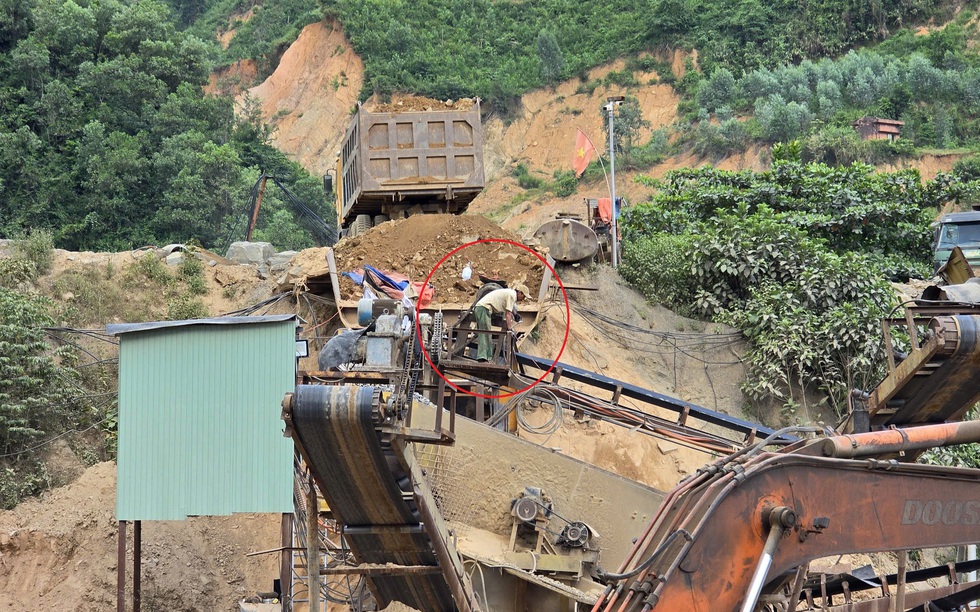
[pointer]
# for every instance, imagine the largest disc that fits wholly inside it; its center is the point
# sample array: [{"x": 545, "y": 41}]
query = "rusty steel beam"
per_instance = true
[
  {"x": 121, "y": 567},
  {"x": 137, "y": 564},
  {"x": 286, "y": 558},
  {"x": 913, "y": 601},
  {"x": 887, "y": 441},
  {"x": 903, "y": 373},
  {"x": 313, "y": 546}
]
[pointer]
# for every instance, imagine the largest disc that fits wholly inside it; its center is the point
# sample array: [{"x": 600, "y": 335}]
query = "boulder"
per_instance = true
[
  {"x": 280, "y": 261},
  {"x": 253, "y": 253}
]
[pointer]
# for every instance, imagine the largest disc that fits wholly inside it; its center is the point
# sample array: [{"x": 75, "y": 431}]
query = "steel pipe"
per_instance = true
[{"x": 886, "y": 441}]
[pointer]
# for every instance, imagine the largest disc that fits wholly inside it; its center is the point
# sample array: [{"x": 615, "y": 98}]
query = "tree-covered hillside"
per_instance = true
[
  {"x": 107, "y": 139},
  {"x": 498, "y": 50},
  {"x": 798, "y": 258},
  {"x": 765, "y": 72}
]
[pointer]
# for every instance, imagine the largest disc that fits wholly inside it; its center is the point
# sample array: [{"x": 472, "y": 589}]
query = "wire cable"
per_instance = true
[
  {"x": 41, "y": 445},
  {"x": 552, "y": 425}
]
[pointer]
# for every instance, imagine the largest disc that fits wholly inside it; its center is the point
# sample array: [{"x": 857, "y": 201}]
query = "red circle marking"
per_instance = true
[{"x": 564, "y": 342}]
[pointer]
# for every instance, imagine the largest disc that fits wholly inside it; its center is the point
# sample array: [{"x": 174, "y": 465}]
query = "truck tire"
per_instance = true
[
  {"x": 379, "y": 219},
  {"x": 362, "y": 223}
]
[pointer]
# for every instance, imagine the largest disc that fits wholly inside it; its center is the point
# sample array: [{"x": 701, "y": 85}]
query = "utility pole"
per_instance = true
[{"x": 610, "y": 107}]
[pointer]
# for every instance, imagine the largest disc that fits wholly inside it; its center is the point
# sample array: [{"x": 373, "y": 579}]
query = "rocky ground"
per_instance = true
[{"x": 421, "y": 245}]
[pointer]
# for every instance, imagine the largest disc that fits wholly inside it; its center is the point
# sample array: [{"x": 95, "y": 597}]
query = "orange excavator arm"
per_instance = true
[{"x": 742, "y": 526}]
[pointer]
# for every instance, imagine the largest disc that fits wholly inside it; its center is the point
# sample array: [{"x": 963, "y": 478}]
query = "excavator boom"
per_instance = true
[{"x": 705, "y": 545}]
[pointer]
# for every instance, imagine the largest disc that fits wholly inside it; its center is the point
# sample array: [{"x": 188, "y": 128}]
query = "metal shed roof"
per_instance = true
[
  {"x": 126, "y": 328},
  {"x": 199, "y": 417}
]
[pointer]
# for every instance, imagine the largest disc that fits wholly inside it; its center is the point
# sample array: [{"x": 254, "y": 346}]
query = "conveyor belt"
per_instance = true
[
  {"x": 368, "y": 491},
  {"x": 645, "y": 396},
  {"x": 945, "y": 387}
]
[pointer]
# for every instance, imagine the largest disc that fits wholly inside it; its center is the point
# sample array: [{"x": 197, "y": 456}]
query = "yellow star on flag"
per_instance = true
[{"x": 583, "y": 153}]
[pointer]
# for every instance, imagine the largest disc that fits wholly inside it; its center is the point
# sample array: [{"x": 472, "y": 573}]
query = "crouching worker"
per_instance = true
[{"x": 498, "y": 301}]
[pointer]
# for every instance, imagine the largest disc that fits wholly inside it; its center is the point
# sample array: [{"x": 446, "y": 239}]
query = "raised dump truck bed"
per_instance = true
[{"x": 393, "y": 164}]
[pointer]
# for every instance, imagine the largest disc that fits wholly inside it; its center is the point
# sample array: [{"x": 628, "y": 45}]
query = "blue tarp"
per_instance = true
[{"x": 384, "y": 278}]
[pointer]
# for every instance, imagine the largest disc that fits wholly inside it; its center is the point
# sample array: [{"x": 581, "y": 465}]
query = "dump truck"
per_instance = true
[
  {"x": 959, "y": 229},
  {"x": 396, "y": 161}
]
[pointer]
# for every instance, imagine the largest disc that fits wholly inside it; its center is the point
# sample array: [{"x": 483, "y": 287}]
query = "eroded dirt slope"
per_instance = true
[
  {"x": 310, "y": 95},
  {"x": 312, "y": 92},
  {"x": 59, "y": 553}
]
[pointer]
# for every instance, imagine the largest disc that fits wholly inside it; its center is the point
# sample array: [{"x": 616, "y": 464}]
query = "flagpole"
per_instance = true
[{"x": 612, "y": 201}]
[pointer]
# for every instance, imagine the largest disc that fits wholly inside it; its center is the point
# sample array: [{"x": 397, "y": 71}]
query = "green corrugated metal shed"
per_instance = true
[{"x": 200, "y": 431}]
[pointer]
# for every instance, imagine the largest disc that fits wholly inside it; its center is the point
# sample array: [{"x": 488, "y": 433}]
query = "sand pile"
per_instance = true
[
  {"x": 414, "y": 246},
  {"x": 404, "y": 104}
]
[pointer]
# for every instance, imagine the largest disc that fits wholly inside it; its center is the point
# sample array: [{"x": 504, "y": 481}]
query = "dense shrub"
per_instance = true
[
  {"x": 525, "y": 180},
  {"x": 38, "y": 390},
  {"x": 565, "y": 183},
  {"x": 798, "y": 258},
  {"x": 730, "y": 136},
  {"x": 659, "y": 265}
]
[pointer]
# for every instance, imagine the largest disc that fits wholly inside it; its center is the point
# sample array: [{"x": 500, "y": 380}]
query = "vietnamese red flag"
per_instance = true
[{"x": 583, "y": 153}]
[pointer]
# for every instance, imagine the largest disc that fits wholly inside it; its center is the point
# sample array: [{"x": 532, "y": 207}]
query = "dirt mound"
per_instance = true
[
  {"x": 401, "y": 104},
  {"x": 59, "y": 552},
  {"x": 414, "y": 246}
]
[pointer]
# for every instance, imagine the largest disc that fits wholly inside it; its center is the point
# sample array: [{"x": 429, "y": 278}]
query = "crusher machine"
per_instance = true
[{"x": 359, "y": 424}]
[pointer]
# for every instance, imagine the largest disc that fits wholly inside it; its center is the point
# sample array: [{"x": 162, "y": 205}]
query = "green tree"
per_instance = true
[
  {"x": 106, "y": 134},
  {"x": 36, "y": 393},
  {"x": 760, "y": 83},
  {"x": 199, "y": 181},
  {"x": 68, "y": 31},
  {"x": 16, "y": 20},
  {"x": 829, "y": 99},
  {"x": 30, "y": 62},
  {"x": 716, "y": 91},
  {"x": 924, "y": 79},
  {"x": 782, "y": 121},
  {"x": 111, "y": 205},
  {"x": 628, "y": 121}
]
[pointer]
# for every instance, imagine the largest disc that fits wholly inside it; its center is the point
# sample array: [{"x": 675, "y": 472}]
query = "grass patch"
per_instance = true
[
  {"x": 146, "y": 290},
  {"x": 92, "y": 299}
]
